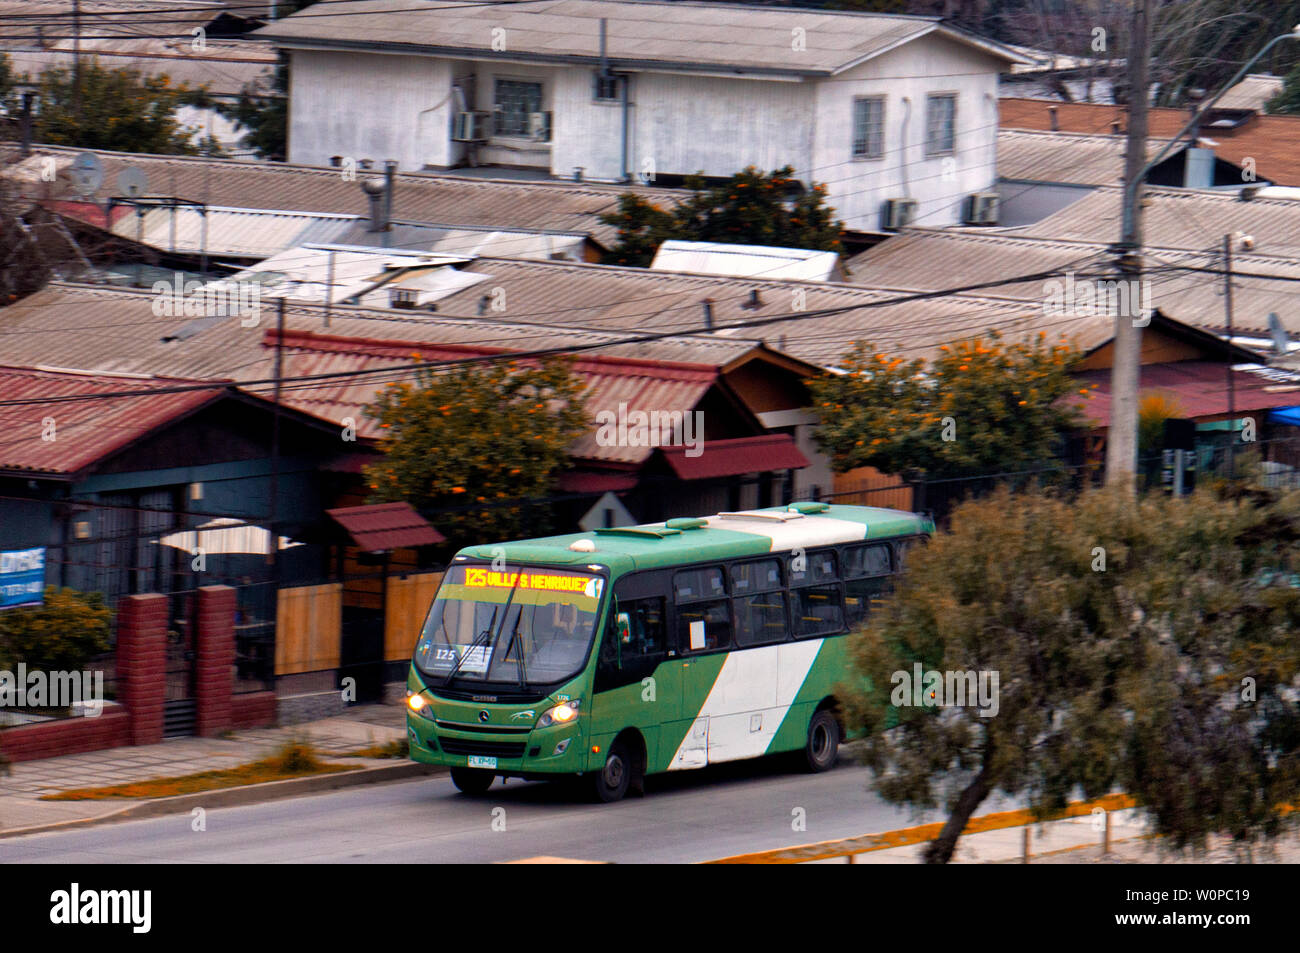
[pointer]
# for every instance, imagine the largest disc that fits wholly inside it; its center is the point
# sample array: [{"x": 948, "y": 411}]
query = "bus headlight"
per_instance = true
[
  {"x": 419, "y": 706},
  {"x": 561, "y": 714}
]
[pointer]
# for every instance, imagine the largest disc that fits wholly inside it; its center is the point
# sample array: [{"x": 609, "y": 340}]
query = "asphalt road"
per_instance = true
[{"x": 697, "y": 815}]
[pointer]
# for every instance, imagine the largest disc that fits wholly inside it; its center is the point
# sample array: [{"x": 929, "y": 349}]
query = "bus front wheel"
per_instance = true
[
  {"x": 612, "y": 780},
  {"x": 823, "y": 741},
  {"x": 472, "y": 780}
]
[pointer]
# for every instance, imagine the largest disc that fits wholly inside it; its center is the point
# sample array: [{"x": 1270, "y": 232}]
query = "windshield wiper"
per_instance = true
[
  {"x": 469, "y": 649},
  {"x": 488, "y": 632},
  {"x": 519, "y": 659}
]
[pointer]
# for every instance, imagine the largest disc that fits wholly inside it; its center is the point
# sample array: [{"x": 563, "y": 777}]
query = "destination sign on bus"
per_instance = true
[{"x": 481, "y": 578}]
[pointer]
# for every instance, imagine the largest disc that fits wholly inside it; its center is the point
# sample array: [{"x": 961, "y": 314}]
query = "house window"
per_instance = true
[
  {"x": 941, "y": 124},
  {"x": 608, "y": 88},
  {"x": 869, "y": 127},
  {"x": 515, "y": 101}
]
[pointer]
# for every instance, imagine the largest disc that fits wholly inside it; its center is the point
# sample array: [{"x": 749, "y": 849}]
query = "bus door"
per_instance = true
[
  {"x": 636, "y": 683},
  {"x": 702, "y": 629}
]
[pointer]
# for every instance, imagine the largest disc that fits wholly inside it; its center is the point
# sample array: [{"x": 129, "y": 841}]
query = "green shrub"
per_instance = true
[{"x": 61, "y": 635}]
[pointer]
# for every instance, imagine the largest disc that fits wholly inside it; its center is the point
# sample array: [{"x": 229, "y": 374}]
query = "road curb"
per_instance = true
[{"x": 238, "y": 796}]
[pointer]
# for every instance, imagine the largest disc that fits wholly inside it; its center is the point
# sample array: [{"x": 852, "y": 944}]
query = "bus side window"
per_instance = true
[
  {"x": 637, "y": 634},
  {"x": 866, "y": 580},
  {"x": 703, "y": 626},
  {"x": 645, "y": 632}
]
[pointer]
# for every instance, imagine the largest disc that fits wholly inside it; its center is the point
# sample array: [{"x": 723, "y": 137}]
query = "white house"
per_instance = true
[{"x": 876, "y": 107}]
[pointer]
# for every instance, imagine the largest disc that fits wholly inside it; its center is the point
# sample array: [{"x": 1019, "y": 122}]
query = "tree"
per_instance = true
[
  {"x": 981, "y": 407},
  {"x": 121, "y": 110},
  {"x": 263, "y": 108},
  {"x": 477, "y": 442},
  {"x": 1145, "y": 648},
  {"x": 753, "y": 208},
  {"x": 62, "y": 634},
  {"x": 1287, "y": 101}
]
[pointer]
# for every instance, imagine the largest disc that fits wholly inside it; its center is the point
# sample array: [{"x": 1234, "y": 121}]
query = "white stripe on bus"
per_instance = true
[{"x": 747, "y": 704}]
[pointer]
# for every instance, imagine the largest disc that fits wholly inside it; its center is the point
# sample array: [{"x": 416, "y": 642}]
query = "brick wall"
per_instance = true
[
  {"x": 111, "y": 729},
  {"x": 253, "y": 710},
  {"x": 142, "y": 664},
  {"x": 214, "y": 660}
]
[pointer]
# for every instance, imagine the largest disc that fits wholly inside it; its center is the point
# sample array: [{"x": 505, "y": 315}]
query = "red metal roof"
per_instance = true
[
  {"x": 1199, "y": 388},
  {"x": 381, "y": 526},
  {"x": 638, "y": 384},
  {"x": 733, "y": 457},
  {"x": 64, "y": 437}
]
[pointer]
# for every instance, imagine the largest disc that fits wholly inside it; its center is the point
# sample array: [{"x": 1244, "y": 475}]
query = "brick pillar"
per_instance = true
[
  {"x": 142, "y": 664},
  {"x": 215, "y": 657}
]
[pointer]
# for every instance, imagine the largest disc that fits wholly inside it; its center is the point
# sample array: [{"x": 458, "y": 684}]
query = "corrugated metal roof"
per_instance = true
[
  {"x": 449, "y": 200},
  {"x": 755, "y": 39},
  {"x": 1065, "y": 157},
  {"x": 610, "y": 381},
  {"x": 1177, "y": 218},
  {"x": 922, "y": 260},
  {"x": 223, "y": 76},
  {"x": 1253, "y": 92},
  {"x": 313, "y": 274},
  {"x": 745, "y": 261},
  {"x": 1270, "y": 143},
  {"x": 381, "y": 526},
  {"x": 114, "y": 330},
  {"x": 1199, "y": 388},
  {"x": 234, "y": 232},
  {"x": 119, "y": 18},
  {"x": 84, "y": 432},
  {"x": 737, "y": 456}
]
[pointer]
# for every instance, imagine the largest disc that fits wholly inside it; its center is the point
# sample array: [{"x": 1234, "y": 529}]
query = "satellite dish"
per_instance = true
[
  {"x": 86, "y": 173},
  {"x": 132, "y": 182}
]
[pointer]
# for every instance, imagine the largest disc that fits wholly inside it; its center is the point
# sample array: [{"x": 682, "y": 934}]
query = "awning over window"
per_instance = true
[
  {"x": 381, "y": 526},
  {"x": 722, "y": 458}
]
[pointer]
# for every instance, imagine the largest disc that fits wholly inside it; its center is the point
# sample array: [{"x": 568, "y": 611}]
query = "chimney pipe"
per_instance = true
[
  {"x": 374, "y": 189},
  {"x": 708, "y": 314},
  {"x": 1053, "y": 119},
  {"x": 390, "y": 169}
]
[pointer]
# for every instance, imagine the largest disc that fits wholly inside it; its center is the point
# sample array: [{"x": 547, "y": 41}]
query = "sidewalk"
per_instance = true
[
  {"x": 1078, "y": 840},
  {"x": 20, "y": 805}
]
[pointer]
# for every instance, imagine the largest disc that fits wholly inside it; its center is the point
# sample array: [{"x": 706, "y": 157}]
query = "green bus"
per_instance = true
[{"x": 625, "y": 652}]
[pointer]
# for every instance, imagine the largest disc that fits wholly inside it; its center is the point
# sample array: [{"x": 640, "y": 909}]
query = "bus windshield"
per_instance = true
[{"x": 522, "y": 625}]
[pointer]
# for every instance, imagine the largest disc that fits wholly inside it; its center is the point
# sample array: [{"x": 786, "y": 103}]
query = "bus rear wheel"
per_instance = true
[
  {"x": 823, "y": 742},
  {"x": 472, "y": 780},
  {"x": 612, "y": 781}
]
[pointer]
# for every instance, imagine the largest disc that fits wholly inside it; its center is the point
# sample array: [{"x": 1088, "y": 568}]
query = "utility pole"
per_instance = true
[
  {"x": 1121, "y": 441},
  {"x": 76, "y": 60},
  {"x": 1227, "y": 311},
  {"x": 273, "y": 557}
]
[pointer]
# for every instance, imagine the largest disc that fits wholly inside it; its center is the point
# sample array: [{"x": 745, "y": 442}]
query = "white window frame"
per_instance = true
[
  {"x": 496, "y": 105},
  {"x": 868, "y": 153},
  {"x": 932, "y": 147}
]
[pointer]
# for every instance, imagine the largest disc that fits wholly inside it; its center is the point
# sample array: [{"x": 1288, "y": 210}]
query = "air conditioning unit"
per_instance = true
[
  {"x": 896, "y": 213},
  {"x": 981, "y": 209},
  {"x": 471, "y": 127},
  {"x": 539, "y": 126}
]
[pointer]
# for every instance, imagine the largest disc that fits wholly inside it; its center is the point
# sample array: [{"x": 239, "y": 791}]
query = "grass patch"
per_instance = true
[
  {"x": 401, "y": 748},
  {"x": 296, "y": 759}
]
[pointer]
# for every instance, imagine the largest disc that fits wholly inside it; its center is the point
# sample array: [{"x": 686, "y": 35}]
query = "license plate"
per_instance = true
[{"x": 478, "y": 762}]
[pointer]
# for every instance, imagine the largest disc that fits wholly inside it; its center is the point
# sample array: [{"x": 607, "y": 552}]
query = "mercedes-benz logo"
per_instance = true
[{"x": 483, "y": 715}]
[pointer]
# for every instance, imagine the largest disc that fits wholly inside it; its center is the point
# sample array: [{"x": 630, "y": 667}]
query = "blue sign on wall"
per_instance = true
[{"x": 22, "y": 577}]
